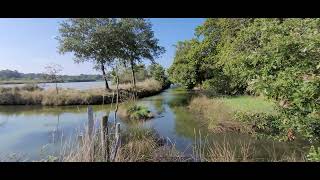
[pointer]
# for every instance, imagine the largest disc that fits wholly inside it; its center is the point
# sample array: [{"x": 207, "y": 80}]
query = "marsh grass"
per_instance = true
[
  {"x": 216, "y": 115},
  {"x": 140, "y": 144},
  {"x": 137, "y": 145},
  {"x": 35, "y": 96},
  {"x": 242, "y": 150},
  {"x": 206, "y": 150}
]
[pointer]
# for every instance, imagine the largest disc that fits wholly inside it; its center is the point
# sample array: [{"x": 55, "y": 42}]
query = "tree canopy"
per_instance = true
[
  {"x": 277, "y": 58},
  {"x": 106, "y": 41}
]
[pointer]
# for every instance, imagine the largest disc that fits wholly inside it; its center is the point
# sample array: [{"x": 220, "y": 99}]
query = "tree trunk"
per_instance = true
[
  {"x": 117, "y": 101},
  {"x": 105, "y": 77},
  {"x": 133, "y": 80}
]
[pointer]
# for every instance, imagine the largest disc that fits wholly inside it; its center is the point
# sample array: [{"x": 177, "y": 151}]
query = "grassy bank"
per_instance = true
[
  {"x": 37, "y": 96},
  {"x": 218, "y": 113}
]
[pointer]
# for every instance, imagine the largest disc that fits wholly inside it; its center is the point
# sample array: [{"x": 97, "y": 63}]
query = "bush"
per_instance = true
[
  {"x": 137, "y": 112},
  {"x": 314, "y": 154},
  {"x": 217, "y": 85},
  {"x": 158, "y": 73},
  {"x": 264, "y": 123}
]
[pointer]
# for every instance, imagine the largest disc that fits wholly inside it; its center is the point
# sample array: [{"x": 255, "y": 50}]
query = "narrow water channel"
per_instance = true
[{"x": 34, "y": 131}]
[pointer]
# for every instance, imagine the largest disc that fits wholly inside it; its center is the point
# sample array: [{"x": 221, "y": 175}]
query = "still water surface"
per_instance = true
[
  {"x": 73, "y": 85},
  {"x": 34, "y": 131}
]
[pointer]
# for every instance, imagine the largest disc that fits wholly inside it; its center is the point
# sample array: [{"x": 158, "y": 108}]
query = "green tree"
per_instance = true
[
  {"x": 198, "y": 61},
  {"x": 182, "y": 71},
  {"x": 158, "y": 73},
  {"x": 216, "y": 35},
  {"x": 91, "y": 39},
  {"x": 138, "y": 43},
  {"x": 280, "y": 59},
  {"x": 125, "y": 74}
]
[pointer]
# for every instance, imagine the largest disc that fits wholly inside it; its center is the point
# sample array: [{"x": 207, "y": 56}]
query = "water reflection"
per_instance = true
[
  {"x": 56, "y": 133},
  {"x": 186, "y": 123},
  {"x": 26, "y": 129}
]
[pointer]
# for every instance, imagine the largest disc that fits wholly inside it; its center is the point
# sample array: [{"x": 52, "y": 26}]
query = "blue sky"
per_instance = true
[{"x": 27, "y": 45}]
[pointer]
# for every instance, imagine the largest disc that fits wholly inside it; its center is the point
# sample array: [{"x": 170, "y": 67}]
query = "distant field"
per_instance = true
[{"x": 249, "y": 103}]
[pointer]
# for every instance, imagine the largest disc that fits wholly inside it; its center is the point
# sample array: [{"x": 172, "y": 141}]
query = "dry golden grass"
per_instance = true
[
  {"x": 137, "y": 145},
  {"x": 226, "y": 153},
  {"x": 20, "y": 96}
]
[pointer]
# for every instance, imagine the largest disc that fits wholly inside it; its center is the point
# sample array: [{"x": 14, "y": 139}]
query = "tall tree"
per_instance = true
[
  {"x": 91, "y": 39},
  {"x": 137, "y": 43}
]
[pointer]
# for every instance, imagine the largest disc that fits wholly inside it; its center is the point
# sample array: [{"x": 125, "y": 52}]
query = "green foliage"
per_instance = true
[
  {"x": 158, "y": 73},
  {"x": 199, "y": 60},
  {"x": 314, "y": 154},
  {"x": 154, "y": 71},
  {"x": 137, "y": 35},
  {"x": 139, "y": 43},
  {"x": 125, "y": 74},
  {"x": 278, "y": 58},
  {"x": 263, "y": 123},
  {"x": 109, "y": 42},
  {"x": 219, "y": 84},
  {"x": 187, "y": 68},
  {"x": 138, "y": 112}
]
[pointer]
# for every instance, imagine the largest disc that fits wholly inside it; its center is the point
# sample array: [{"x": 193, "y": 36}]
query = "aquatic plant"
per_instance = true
[{"x": 137, "y": 112}]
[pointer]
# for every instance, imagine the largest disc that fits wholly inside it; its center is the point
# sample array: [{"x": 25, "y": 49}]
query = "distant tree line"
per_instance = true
[{"x": 7, "y": 75}]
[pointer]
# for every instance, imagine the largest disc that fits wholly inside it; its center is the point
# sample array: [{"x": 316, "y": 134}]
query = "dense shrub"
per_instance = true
[
  {"x": 217, "y": 85},
  {"x": 314, "y": 154},
  {"x": 268, "y": 124},
  {"x": 158, "y": 73},
  {"x": 277, "y": 58}
]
